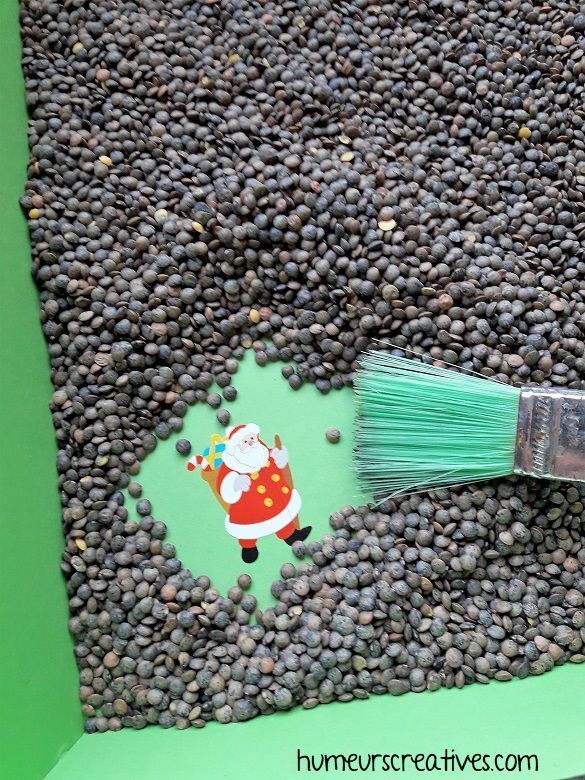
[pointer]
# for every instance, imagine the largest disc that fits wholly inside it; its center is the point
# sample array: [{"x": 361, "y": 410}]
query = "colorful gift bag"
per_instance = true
[{"x": 209, "y": 462}]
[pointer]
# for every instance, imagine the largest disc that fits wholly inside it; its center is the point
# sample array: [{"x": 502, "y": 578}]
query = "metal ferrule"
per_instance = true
[{"x": 550, "y": 440}]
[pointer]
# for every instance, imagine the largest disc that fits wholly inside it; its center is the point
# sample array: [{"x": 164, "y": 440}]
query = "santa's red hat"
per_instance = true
[{"x": 238, "y": 433}]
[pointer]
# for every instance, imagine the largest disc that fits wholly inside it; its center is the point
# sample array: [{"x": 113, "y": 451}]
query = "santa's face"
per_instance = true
[
  {"x": 248, "y": 456},
  {"x": 248, "y": 441}
]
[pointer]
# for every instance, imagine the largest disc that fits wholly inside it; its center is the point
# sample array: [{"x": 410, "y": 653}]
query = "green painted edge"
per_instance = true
[{"x": 40, "y": 711}]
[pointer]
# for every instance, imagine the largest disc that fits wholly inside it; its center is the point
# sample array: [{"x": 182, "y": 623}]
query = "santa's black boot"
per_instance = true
[
  {"x": 249, "y": 554},
  {"x": 299, "y": 535}
]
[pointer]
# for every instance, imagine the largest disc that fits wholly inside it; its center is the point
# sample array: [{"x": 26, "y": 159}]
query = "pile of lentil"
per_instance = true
[{"x": 299, "y": 178}]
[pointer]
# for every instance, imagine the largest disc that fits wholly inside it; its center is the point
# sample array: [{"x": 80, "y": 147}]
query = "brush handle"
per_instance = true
[{"x": 550, "y": 438}]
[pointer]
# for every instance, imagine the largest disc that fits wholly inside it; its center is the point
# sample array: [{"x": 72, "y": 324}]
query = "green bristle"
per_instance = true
[{"x": 422, "y": 427}]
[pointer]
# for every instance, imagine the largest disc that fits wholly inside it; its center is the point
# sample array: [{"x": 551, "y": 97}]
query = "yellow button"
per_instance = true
[
  {"x": 275, "y": 477},
  {"x": 254, "y": 475},
  {"x": 261, "y": 489},
  {"x": 285, "y": 490},
  {"x": 268, "y": 502}
]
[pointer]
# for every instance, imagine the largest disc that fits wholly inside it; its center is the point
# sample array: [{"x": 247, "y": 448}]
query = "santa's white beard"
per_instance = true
[{"x": 253, "y": 459}]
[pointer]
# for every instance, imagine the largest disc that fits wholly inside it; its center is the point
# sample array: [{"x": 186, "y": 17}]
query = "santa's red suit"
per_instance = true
[{"x": 255, "y": 485}]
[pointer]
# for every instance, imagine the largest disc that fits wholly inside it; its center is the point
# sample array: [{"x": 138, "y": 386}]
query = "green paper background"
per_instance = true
[
  {"x": 38, "y": 679},
  {"x": 322, "y": 474},
  {"x": 539, "y": 715},
  {"x": 39, "y": 709}
]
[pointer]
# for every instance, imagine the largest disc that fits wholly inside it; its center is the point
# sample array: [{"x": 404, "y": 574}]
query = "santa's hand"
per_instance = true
[
  {"x": 279, "y": 456},
  {"x": 242, "y": 482}
]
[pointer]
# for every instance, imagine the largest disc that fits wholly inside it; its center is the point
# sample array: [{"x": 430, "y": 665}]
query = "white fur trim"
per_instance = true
[
  {"x": 267, "y": 527},
  {"x": 233, "y": 463},
  {"x": 227, "y": 491}
]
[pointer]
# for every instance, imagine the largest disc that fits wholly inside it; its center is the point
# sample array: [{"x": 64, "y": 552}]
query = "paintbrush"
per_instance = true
[{"x": 421, "y": 427}]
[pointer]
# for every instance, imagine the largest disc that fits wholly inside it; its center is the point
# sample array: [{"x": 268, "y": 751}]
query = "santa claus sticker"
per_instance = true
[{"x": 253, "y": 483}]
